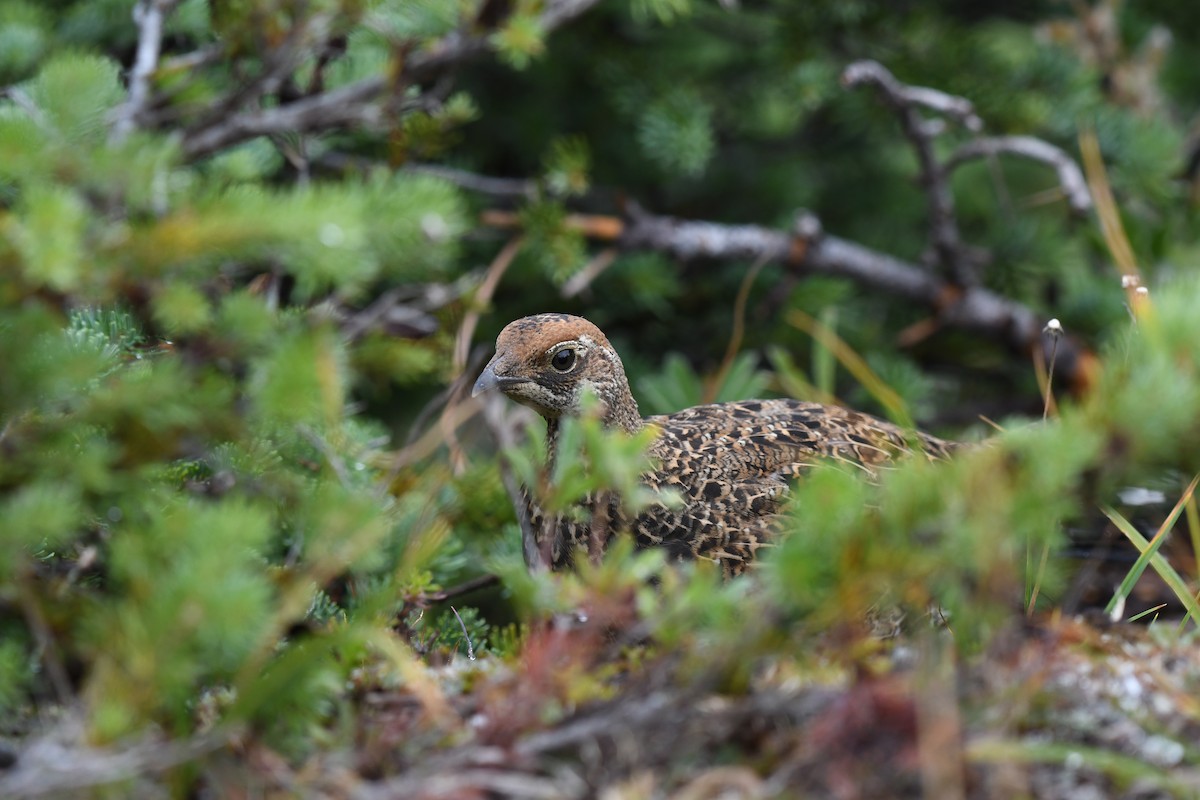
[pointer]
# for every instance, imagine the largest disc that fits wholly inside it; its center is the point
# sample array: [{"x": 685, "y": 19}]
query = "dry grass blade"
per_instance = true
[
  {"x": 1109, "y": 215},
  {"x": 855, "y": 365},
  {"x": 462, "y": 347},
  {"x": 483, "y": 296},
  {"x": 1193, "y": 520},
  {"x": 1037, "y": 581},
  {"x": 736, "y": 334},
  {"x": 1150, "y": 556},
  {"x": 1148, "y": 612}
]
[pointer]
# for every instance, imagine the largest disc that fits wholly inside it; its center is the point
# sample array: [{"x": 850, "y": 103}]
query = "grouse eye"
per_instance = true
[{"x": 563, "y": 360}]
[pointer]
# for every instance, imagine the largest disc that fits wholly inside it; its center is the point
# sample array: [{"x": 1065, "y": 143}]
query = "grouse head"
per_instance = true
[{"x": 549, "y": 362}]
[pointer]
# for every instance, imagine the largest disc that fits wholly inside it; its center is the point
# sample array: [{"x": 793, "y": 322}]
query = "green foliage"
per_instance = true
[
  {"x": 558, "y": 250},
  {"x": 37, "y": 516},
  {"x": 212, "y": 507},
  {"x": 679, "y": 386},
  {"x": 566, "y": 167},
  {"x": 73, "y": 94},
  {"x": 675, "y": 132},
  {"x": 194, "y": 603},
  {"x": 599, "y": 460},
  {"x": 50, "y": 242},
  {"x": 522, "y": 38},
  {"x": 23, "y": 38},
  {"x": 664, "y": 10},
  {"x": 401, "y": 19}
]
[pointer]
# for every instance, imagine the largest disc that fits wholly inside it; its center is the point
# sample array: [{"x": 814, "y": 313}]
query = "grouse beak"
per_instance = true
[{"x": 488, "y": 380}]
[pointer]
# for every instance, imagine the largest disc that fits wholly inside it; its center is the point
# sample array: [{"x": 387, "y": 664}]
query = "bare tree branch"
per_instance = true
[
  {"x": 306, "y": 37},
  {"x": 355, "y": 104},
  {"x": 517, "y": 188},
  {"x": 948, "y": 250},
  {"x": 477, "y": 782},
  {"x": 149, "y": 16},
  {"x": 951, "y": 254},
  {"x": 975, "y": 308},
  {"x": 591, "y": 271},
  {"x": 348, "y": 106},
  {"x": 1070, "y": 176}
]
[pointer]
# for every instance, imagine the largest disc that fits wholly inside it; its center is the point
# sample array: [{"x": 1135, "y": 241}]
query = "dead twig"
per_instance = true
[
  {"x": 591, "y": 270},
  {"x": 975, "y": 309},
  {"x": 515, "y": 188},
  {"x": 1054, "y": 330},
  {"x": 499, "y": 421},
  {"x": 466, "y": 587},
  {"x": 1070, "y": 176},
  {"x": 949, "y": 253},
  {"x": 483, "y": 296},
  {"x": 737, "y": 333},
  {"x": 356, "y": 104},
  {"x": 326, "y": 449},
  {"x": 149, "y": 16},
  {"x": 50, "y": 654},
  {"x": 467, "y": 636},
  {"x": 462, "y": 343},
  {"x": 476, "y": 782}
]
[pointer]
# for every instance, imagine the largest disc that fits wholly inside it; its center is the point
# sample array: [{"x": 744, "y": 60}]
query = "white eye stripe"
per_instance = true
[{"x": 579, "y": 344}]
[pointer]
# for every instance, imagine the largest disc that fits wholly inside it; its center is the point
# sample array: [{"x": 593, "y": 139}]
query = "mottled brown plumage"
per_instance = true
[{"x": 731, "y": 462}]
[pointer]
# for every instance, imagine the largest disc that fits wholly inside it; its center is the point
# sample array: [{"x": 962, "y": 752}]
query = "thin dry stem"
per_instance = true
[
  {"x": 1109, "y": 215},
  {"x": 737, "y": 332}
]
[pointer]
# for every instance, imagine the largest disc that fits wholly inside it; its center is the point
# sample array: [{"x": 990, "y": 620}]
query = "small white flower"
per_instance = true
[
  {"x": 331, "y": 235},
  {"x": 434, "y": 227}
]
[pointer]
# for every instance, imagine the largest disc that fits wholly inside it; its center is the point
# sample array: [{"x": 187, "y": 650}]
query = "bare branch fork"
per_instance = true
[
  {"x": 150, "y": 15},
  {"x": 950, "y": 254}
]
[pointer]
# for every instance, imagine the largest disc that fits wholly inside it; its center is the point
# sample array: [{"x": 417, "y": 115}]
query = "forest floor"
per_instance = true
[{"x": 1055, "y": 707}]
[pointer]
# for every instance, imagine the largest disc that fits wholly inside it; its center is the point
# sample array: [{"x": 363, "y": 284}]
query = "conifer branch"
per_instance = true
[
  {"x": 356, "y": 104},
  {"x": 278, "y": 66}
]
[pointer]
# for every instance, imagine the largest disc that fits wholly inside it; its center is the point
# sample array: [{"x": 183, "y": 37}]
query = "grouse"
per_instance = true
[{"x": 730, "y": 463}]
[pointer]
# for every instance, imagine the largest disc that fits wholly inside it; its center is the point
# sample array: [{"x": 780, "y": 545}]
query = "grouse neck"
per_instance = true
[{"x": 622, "y": 411}]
